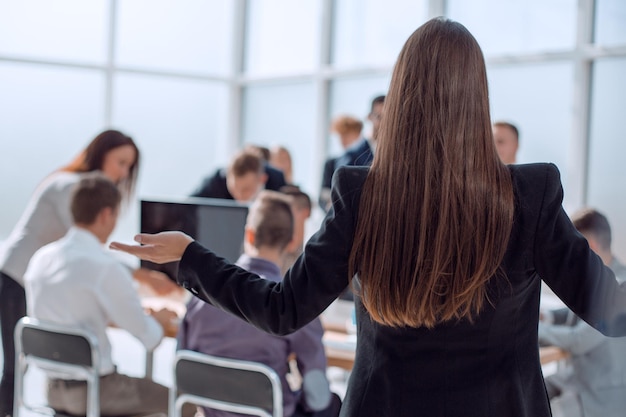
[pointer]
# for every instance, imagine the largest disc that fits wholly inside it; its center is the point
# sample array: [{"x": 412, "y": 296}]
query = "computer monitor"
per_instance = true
[{"x": 215, "y": 223}]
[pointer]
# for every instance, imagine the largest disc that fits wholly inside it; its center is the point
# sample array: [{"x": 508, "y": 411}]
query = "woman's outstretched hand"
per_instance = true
[{"x": 158, "y": 248}]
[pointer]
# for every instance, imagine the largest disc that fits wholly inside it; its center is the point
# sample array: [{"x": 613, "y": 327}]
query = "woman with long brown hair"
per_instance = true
[{"x": 444, "y": 246}]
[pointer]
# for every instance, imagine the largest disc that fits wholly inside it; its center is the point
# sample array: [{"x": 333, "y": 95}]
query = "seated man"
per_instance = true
[
  {"x": 206, "y": 329},
  {"x": 594, "y": 384},
  {"x": 245, "y": 176},
  {"x": 75, "y": 282}
]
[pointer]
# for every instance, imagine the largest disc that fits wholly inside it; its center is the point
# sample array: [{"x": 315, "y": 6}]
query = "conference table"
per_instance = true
[{"x": 339, "y": 338}]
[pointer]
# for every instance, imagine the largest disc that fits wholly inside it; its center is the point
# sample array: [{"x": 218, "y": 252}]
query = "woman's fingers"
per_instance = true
[
  {"x": 159, "y": 248},
  {"x": 142, "y": 252}
]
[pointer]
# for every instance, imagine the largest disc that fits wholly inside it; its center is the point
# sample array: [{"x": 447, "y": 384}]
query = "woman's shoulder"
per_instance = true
[
  {"x": 59, "y": 182},
  {"x": 536, "y": 178},
  {"x": 538, "y": 191},
  {"x": 538, "y": 169},
  {"x": 62, "y": 178}
]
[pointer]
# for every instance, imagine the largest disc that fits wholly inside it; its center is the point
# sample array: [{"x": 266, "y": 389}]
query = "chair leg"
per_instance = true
[
  {"x": 18, "y": 396},
  {"x": 93, "y": 396}
]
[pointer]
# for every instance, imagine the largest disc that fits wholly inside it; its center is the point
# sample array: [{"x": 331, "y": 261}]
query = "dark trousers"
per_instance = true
[
  {"x": 12, "y": 308},
  {"x": 331, "y": 411}
]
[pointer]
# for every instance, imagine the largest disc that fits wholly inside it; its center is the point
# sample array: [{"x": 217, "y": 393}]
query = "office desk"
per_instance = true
[{"x": 549, "y": 354}]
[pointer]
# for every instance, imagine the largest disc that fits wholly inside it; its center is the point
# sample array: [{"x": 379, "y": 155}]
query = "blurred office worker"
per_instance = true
[
  {"x": 75, "y": 282},
  {"x": 47, "y": 218},
  {"x": 506, "y": 136},
  {"x": 593, "y": 383},
  {"x": 207, "y": 329}
]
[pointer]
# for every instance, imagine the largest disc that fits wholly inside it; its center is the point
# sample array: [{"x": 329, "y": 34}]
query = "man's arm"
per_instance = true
[
  {"x": 577, "y": 339},
  {"x": 123, "y": 306}
]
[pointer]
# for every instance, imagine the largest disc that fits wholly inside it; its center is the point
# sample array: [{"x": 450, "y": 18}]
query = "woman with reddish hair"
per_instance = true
[{"x": 47, "y": 218}]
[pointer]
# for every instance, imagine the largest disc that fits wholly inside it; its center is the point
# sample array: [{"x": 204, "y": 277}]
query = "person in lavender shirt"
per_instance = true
[{"x": 207, "y": 329}]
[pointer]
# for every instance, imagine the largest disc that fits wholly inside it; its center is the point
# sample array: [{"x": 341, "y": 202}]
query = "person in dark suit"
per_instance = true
[
  {"x": 246, "y": 175},
  {"x": 357, "y": 151},
  {"x": 444, "y": 245}
]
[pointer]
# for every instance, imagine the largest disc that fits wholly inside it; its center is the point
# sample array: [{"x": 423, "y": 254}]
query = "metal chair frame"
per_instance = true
[
  {"x": 81, "y": 366},
  {"x": 201, "y": 371}
]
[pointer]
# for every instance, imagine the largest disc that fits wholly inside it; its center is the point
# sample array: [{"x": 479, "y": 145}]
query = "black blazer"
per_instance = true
[{"x": 488, "y": 368}]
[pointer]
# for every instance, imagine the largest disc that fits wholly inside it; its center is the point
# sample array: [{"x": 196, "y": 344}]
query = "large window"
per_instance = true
[
  {"x": 282, "y": 36},
  {"x": 370, "y": 33},
  {"x": 193, "y": 80},
  {"x": 188, "y": 36},
  {"x": 610, "y": 22},
  {"x": 518, "y": 26},
  {"x": 60, "y": 30},
  {"x": 536, "y": 98},
  {"x": 607, "y": 171},
  {"x": 47, "y": 114},
  {"x": 284, "y": 114}
]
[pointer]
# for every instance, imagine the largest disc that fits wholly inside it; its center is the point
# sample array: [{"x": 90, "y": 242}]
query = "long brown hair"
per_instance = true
[
  {"x": 92, "y": 158},
  {"x": 437, "y": 206}
]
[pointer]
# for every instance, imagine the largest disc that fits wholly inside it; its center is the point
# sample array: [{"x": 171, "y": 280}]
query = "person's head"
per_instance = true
[
  {"x": 348, "y": 128},
  {"x": 437, "y": 206},
  {"x": 263, "y": 151},
  {"x": 506, "y": 137},
  {"x": 594, "y": 226},
  {"x": 301, "y": 200},
  {"x": 301, "y": 205},
  {"x": 115, "y": 155},
  {"x": 376, "y": 114},
  {"x": 281, "y": 159},
  {"x": 245, "y": 176},
  {"x": 95, "y": 205},
  {"x": 270, "y": 222}
]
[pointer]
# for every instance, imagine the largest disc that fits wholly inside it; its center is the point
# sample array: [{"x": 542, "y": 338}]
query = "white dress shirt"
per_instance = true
[{"x": 75, "y": 282}]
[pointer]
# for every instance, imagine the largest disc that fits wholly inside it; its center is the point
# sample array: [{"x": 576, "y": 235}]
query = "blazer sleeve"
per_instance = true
[
  {"x": 317, "y": 277},
  {"x": 571, "y": 269}
]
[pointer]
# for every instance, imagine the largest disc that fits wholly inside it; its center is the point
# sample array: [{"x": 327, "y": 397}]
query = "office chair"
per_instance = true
[
  {"x": 225, "y": 384},
  {"x": 67, "y": 352}
]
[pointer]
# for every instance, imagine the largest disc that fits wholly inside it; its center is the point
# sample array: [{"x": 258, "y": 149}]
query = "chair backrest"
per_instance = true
[
  {"x": 225, "y": 384},
  {"x": 64, "y": 352}
]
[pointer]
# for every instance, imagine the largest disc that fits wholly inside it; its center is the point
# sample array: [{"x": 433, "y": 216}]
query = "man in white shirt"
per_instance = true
[{"x": 73, "y": 281}]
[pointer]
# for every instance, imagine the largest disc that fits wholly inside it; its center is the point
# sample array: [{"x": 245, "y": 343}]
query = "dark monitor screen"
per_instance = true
[{"x": 215, "y": 223}]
